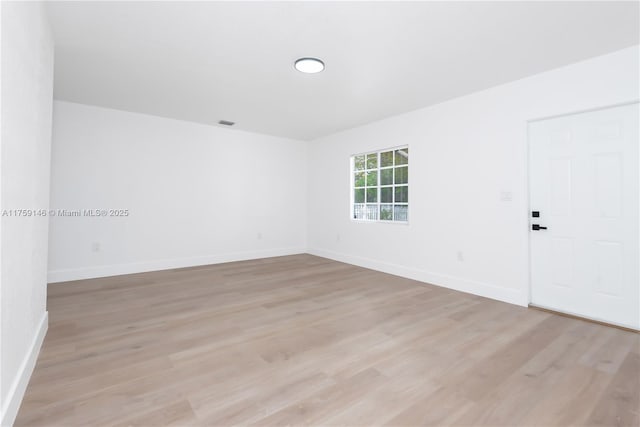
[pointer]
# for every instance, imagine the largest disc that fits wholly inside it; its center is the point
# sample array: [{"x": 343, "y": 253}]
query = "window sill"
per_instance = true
[{"x": 370, "y": 221}]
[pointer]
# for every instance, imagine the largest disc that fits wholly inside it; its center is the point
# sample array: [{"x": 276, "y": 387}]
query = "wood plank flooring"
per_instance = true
[{"x": 302, "y": 340}]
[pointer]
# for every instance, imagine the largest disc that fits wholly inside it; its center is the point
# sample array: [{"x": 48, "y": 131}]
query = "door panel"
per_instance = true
[
  {"x": 561, "y": 189},
  {"x": 609, "y": 184},
  {"x": 584, "y": 182},
  {"x": 609, "y": 279}
]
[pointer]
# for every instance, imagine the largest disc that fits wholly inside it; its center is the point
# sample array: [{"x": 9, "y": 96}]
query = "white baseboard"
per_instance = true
[
  {"x": 93, "y": 272},
  {"x": 19, "y": 386},
  {"x": 482, "y": 289}
]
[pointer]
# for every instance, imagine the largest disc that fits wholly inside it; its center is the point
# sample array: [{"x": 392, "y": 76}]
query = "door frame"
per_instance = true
[{"x": 528, "y": 196}]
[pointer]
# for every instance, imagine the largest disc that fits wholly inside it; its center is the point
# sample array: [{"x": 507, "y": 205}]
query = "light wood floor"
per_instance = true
[{"x": 304, "y": 340}]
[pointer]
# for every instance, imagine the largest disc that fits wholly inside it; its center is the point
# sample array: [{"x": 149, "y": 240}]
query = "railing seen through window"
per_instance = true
[{"x": 380, "y": 185}]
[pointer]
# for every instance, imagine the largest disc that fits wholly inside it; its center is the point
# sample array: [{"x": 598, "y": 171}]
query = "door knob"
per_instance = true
[{"x": 537, "y": 227}]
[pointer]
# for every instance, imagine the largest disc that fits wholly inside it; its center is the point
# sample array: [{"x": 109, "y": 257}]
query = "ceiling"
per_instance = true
[{"x": 207, "y": 61}]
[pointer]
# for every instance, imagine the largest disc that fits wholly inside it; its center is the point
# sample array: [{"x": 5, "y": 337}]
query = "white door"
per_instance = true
[{"x": 584, "y": 185}]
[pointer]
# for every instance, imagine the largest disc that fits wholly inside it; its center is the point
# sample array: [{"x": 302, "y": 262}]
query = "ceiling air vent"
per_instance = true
[{"x": 226, "y": 123}]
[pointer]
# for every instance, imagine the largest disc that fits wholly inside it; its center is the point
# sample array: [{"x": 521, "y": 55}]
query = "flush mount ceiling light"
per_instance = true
[
  {"x": 309, "y": 65},
  {"x": 226, "y": 122}
]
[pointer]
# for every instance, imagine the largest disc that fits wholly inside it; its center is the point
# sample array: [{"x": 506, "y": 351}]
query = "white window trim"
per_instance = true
[{"x": 378, "y": 186}]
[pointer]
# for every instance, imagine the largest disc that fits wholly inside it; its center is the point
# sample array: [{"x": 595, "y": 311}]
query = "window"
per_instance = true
[{"x": 380, "y": 185}]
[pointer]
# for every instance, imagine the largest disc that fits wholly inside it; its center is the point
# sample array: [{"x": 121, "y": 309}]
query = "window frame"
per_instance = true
[{"x": 379, "y": 186}]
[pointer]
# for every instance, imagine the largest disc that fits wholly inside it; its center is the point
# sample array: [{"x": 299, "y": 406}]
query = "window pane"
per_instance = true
[
  {"x": 358, "y": 163},
  {"x": 372, "y": 212},
  {"x": 386, "y": 212},
  {"x": 372, "y": 195},
  {"x": 358, "y": 195},
  {"x": 386, "y": 195},
  {"x": 401, "y": 212},
  {"x": 359, "y": 211},
  {"x": 402, "y": 175},
  {"x": 386, "y": 159},
  {"x": 372, "y": 161},
  {"x": 358, "y": 180},
  {"x": 386, "y": 177},
  {"x": 402, "y": 194},
  {"x": 372, "y": 178},
  {"x": 402, "y": 156}
]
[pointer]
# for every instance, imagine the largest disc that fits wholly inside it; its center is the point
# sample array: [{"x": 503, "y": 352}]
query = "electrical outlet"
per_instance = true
[
  {"x": 259, "y": 236},
  {"x": 506, "y": 196},
  {"x": 338, "y": 237},
  {"x": 460, "y": 256},
  {"x": 95, "y": 247}
]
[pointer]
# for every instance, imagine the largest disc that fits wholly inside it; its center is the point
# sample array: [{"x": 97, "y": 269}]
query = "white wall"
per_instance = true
[
  {"x": 464, "y": 154},
  {"x": 27, "y": 91},
  {"x": 196, "y": 194}
]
